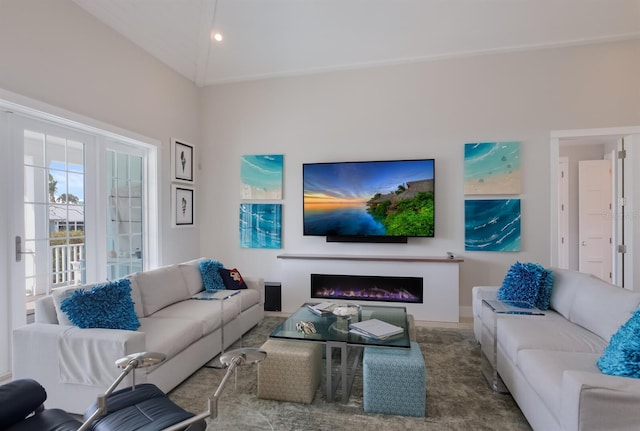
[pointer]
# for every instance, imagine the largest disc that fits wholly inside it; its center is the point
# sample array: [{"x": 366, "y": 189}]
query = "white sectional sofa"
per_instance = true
[
  {"x": 548, "y": 363},
  {"x": 75, "y": 365}
]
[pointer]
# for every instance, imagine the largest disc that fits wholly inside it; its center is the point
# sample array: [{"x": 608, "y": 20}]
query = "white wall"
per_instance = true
[
  {"x": 425, "y": 109},
  {"x": 54, "y": 52}
]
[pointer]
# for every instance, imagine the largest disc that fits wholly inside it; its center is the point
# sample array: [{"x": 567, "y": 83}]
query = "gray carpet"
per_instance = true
[{"x": 458, "y": 397}]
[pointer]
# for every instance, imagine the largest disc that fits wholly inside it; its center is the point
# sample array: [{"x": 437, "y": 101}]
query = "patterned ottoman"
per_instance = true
[
  {"x": 291, "y": 371},
  {"x": 394, "y": 381}
]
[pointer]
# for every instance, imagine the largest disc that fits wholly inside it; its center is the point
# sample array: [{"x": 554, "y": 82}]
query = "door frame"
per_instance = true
[
  {"x": 13, "y": 297},
  {"x": 555, "y": 137},
  {"x": 563, "y": 213}
]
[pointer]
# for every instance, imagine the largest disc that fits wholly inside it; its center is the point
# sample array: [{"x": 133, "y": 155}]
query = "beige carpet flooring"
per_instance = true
[{"x": 458, "y": 397}]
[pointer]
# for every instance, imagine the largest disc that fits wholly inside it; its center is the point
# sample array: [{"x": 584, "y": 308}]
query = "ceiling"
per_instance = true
[{"x": 274, "y": 38}]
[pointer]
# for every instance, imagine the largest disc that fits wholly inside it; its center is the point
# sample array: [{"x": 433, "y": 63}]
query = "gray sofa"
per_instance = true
[
  {"x": 75, "y": 365},
  {"x": 548, "y": 363}
]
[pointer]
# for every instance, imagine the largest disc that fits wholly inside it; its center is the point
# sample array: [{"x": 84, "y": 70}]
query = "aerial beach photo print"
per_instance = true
[
  {"x": 492, "y": 168},
  {"x": 261, "y": 176},
  {"x": 492, "y": 225}
]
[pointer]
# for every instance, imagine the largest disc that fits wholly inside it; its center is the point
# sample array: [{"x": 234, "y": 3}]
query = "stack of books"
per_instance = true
[
  {"x": 323, "y": 308},
  {"x": 375, "y": 328}
]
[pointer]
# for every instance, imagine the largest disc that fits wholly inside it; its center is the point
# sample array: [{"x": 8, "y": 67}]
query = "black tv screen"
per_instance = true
[{"x": 377, "y": 199}]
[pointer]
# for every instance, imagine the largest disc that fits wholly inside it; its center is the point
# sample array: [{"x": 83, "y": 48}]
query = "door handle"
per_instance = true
[
  {"x": 19, "y": 251},
  {"x": 583, "y": 243}
]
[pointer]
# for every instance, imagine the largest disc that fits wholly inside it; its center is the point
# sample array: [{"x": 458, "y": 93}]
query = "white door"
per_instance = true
[
  {"x": 595, "y": 218},
  {"x": 7, "y": 318},
  {"x": 49, "y": 239}
]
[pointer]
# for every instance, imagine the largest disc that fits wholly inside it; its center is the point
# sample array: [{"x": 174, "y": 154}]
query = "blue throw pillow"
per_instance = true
[
  {"x": 527, "y": 282},
  {"x": 210, "y": 276},
  {"x": 106, "y": 305},
  {"x": 622, "y": 356},
  {"x": 232, "y": 279}
]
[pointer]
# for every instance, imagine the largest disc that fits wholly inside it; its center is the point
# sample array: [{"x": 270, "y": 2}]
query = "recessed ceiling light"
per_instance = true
[{"x": 216, "y": 36}]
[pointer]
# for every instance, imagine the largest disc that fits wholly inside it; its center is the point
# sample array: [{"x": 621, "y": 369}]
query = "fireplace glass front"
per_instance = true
[{"x": 367, "y": 288}]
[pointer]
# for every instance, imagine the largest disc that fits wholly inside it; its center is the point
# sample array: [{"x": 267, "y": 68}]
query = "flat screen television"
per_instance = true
[{"x": 377, "y": 201}]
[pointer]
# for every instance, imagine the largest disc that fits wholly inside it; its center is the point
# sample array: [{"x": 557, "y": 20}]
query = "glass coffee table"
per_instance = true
[{"x": 333, "y": 331}]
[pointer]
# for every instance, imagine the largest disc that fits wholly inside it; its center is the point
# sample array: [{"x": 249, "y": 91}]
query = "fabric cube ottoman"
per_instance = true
[
  {"x": 291, "y": 371},
  {"x": 394, "y": 381}
]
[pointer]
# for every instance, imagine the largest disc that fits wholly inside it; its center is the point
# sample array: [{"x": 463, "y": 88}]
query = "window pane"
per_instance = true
[
  {"x": 75, "y": 188},
  {"x": 33, "y": 148},
  {"x": 123, "y": 167},
  {"x": 55, "y": 151},
  {"x": 36, "y": 188},
  {"x": 36, "y": 221},
  {"x": 57, "y": 184},
  {"x": 135, "y": 168},
  {"x": 135, "y": 189},
  {"x": 124, "y": 173},
  {"x": 75, "y": 156}
]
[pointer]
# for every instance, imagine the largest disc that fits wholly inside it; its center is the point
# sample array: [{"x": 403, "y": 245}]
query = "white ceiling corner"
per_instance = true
[
  {"x": 271, "y": 38},
  {"x": 205, "y": 27}
]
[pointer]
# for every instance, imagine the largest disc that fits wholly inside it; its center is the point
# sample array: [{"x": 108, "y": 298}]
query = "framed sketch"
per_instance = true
[
  {"x": 182, "y": 205},
  {"x": 182, "y": 156}
]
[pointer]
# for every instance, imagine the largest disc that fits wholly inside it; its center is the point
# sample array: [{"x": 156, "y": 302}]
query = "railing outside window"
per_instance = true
[{"x": 67, "y": 264}]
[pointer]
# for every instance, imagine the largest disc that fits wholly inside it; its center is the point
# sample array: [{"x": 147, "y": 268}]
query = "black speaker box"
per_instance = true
[{"x": 272, "y": 296}]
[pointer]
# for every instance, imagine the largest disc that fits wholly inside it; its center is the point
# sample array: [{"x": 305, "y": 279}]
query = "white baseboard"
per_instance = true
[{"x": 466, "y": 311}]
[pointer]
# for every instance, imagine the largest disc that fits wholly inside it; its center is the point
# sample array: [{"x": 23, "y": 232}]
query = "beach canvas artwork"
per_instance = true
[
  {"x": 260, "y": 225},
  {"x": 492, "y": 168},
  {"x": 492, "y": 225},
  {"x": 261, "y": 176}
]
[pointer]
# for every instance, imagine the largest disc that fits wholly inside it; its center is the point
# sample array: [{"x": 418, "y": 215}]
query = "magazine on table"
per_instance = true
[
  {"x": 375, "y": 328},
  {"x": 323, "y": 308}
]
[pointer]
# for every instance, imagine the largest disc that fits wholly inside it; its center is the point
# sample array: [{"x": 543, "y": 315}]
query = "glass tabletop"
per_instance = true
[{"x": 329, "y": 329}]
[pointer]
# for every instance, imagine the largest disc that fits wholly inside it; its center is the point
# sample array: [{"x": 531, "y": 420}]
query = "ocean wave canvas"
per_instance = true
[
  {"x": 260, "y": 225},
  {"x": 492, "y": 225},
  {"x": 492, "y": 168},
  {"x": 261, "y": 176}
]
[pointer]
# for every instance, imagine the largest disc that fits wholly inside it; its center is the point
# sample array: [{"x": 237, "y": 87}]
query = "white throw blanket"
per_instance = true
[{"x": 88, "y": 359}]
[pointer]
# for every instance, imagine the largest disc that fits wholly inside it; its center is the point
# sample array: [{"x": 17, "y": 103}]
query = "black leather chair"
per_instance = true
[
  {"x": 22, "y": 409},
  {"x": 140, "y": 407},
  {"x": 144, "y": 408}
]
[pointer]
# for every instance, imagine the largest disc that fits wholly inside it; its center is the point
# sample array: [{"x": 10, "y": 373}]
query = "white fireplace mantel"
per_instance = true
[
  {"x": 440, "y": 276},
  {"x": 371, "y": 257}
]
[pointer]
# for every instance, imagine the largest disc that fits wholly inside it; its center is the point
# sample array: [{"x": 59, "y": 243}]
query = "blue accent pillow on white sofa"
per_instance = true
[
  {"x": 622, "y": 356},
  {"x": 210, "y": 276},
  {"x": 527, "y": 282},
  {"x": 107, "y": 305}
]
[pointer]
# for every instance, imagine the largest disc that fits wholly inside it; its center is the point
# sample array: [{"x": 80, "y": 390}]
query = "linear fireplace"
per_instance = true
[{"x": 367, "y": 288}]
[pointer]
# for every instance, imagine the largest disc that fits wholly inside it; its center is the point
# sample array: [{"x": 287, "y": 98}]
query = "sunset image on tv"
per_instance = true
[{"x": 385, "y": 198}]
